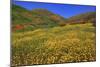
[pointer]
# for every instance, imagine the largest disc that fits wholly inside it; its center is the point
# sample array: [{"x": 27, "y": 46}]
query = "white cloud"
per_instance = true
[{"x": 82, "y": 2}]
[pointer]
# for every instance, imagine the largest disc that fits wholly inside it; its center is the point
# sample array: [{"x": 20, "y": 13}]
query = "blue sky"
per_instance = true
[{"x": 64, "y": 10}]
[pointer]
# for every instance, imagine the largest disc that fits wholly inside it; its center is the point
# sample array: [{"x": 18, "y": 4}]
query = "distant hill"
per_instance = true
[{"x": 82, "y": 18}]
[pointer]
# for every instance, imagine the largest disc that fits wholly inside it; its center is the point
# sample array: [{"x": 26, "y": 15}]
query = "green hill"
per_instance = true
[
  {"x": 34, "y": 19},
  {"x": 19, "y": 15}
]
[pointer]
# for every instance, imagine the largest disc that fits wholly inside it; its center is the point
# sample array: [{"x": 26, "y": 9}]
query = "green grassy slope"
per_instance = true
[{"x": 35, "y": 18}]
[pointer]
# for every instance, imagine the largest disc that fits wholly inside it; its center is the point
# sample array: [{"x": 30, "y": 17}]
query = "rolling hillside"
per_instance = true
[
  {"x": 37, "y": 18},
  {"x": 23, "y": 19}
]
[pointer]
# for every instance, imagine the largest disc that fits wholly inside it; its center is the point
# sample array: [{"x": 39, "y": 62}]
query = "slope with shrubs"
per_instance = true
[
  {"x": 88, "y": 17},
  {"x": 37, "y": 18}
]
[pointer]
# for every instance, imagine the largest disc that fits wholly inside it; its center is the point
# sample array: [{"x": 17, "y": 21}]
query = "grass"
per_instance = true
[{"x": 70, "y": 43}]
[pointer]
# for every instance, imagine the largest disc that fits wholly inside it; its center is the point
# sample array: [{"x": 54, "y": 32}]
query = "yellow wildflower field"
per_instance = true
[{"x": 70, "y": 43}]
